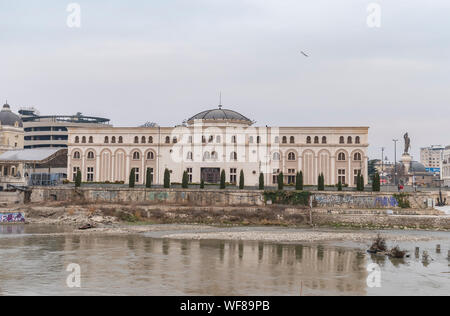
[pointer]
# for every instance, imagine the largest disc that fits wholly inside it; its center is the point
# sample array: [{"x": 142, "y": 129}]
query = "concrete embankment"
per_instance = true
[
  {"x": 109, "y": 214},
  {"x": 234, "y": 207},
  {"x": 197, "y": 197}
]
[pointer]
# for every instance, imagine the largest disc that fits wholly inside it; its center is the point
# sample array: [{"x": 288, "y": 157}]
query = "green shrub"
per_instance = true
[
  {"x": 288, "y": 197},
  {"x": 223, "y": 183},
  {"x": 339, "y": 186},
  {"x": 402, "y": 200},
  {"x": 261, "y": 181},
  {"x": 299, "y": 181},
  {"x": 166, "y": 179},
  {"x": 321, "y": 183},
  {"x": 78, "y": 179},
  {"x": 241, "y": 180},
  {"x": 281, "y": 181},
  {"x": 148, "y": 179},
  {"x": 376, "y": 182},
  {"x": 132, "y": 179},
  {"x": 202, "y": 184},
  {"x": 185, "y": 181}
]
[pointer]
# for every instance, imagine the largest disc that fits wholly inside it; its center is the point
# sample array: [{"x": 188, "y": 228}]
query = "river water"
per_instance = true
[{"x": 33, "y": 261}]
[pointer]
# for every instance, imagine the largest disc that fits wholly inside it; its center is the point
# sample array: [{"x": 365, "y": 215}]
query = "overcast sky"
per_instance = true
[{"x": 164, "y": 61}]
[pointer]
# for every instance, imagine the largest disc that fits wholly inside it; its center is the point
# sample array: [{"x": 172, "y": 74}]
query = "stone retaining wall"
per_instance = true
[{"x": 196, "y": 197}]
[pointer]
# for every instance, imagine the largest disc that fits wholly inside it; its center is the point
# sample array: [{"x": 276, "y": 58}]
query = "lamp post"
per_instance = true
[
  {"x": 382, "y": 165},
  {"x": 395, "y": 160}
]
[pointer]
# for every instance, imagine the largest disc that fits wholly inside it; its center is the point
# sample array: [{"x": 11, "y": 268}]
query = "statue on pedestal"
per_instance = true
[{"x": 407, "y": 144}]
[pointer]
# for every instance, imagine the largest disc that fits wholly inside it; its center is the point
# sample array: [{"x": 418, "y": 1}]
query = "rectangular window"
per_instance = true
[
  {"x": 291, "y": 176},
  {"x": 136, "y": 173},
  {"x": 90, "y": 174},
  {"x": 189, "y": 172},
  {"x": 356, "y": 173},
  {"x": 341, "y": 176},
  {"x": 75, "y": 171},
  {"x": 151, "y": 174},
  {"x": 276, "y": 172},
  {"x": 233, "y": 175}
]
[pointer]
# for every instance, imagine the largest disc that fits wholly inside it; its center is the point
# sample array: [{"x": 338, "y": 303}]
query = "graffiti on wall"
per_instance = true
[
  {"x": 12, "y": 218},
  {"x": 355, "y": 200},
  {"x": 104, "y": 195}
]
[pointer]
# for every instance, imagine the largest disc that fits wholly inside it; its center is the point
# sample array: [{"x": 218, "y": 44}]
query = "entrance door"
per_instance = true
[{"x": 210, "y": 175}]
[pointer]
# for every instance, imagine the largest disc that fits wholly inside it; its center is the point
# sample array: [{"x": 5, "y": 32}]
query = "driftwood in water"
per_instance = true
[{"x": 86, "y": 227}]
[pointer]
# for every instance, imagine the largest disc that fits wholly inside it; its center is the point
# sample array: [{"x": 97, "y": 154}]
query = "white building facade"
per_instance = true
[
  {"x": 431, "y": 157},
  {"x": 445, "y": 169},
  {"x": 217, "y": 140}
]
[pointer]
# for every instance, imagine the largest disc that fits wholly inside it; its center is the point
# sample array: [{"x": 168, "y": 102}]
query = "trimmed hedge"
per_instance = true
[{"x": 288, "y": 197}]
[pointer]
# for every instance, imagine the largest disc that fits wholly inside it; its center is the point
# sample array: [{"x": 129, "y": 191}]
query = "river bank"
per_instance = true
[{"x": 107, "y": 215}]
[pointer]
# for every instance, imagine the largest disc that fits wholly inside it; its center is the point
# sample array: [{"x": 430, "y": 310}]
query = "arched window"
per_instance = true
[
  {"x": 167, "y": 140},
  {"x": 77, "y": 139},
  {"x": 349, "y": 140},
  {"x": 136, "y": 140},
  {"x": 190, "y": 156},
  {"x": 206, "y": 155},
  {"x": 276, "y": 156},
  {"x": 136, "y": 155},
  {"x": 175, "y": 140},
  {"x": 316, "y": 140},
  {"x": 210, "y": 139},
  {"x": 90, "y": 155},
  {"x": 250, "y": 140},
  {"x": 357, "y": 140},
  {"x": 120, "y": 140},
  {"x": 113, "y": 140},
  {"x": 357, "y": 157},
  {"x": 284, "y": 140},
  {"x": 150, "y": 155},
  {"x": 143, "y": 140},
  {"x": 308, "y": 140},
  {"x": 83, "y": 140},
  {"x": 106, "y": 139},
  {"x": 233, "y": 156},
  {"x": 203, "y": 139},
  {"x": 291, "y": 156},
  {"x": 324, "y": 140},
  {"x": 150, "y": 139},
  {"x": 341, "y": 140},
  {"x": 76, "y": 155},
  {"x": 258, "y": 139},
  {"x": 91, "y": 140},
  {"x": 214, "y": 155},
  {"x": 292, "y": 140},
  {"x": 341, "y": 157}
]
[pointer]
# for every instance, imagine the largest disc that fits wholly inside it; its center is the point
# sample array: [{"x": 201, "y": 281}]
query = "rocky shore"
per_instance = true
[{"x": 119, "y": 218}]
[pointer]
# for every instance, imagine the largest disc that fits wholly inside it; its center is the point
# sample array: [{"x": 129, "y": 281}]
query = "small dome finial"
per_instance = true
[{"x": 220, "y": 100}]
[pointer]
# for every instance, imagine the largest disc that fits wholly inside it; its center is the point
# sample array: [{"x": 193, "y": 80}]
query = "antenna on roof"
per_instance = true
[{"x": 220, "y": 99}]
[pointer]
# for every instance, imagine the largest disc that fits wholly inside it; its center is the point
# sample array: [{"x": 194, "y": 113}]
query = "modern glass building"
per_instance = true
[{"x": 51, "y": 130}]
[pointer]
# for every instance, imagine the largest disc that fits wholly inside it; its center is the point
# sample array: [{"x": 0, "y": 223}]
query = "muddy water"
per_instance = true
[{"x": 33, "y": 261}]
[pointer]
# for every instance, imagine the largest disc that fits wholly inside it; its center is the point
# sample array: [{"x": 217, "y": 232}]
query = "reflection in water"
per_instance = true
[
  {"x": 12, "y": 229},
  {"x": 127, "y": 265},
  {"x": 139, "y": 265}
]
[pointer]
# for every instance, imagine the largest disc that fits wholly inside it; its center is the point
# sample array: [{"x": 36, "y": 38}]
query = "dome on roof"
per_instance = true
[
  {"x": 221, "y": 114},
  {"x": 417, "y": 167},
  {"x": 8, "y": 118}
]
